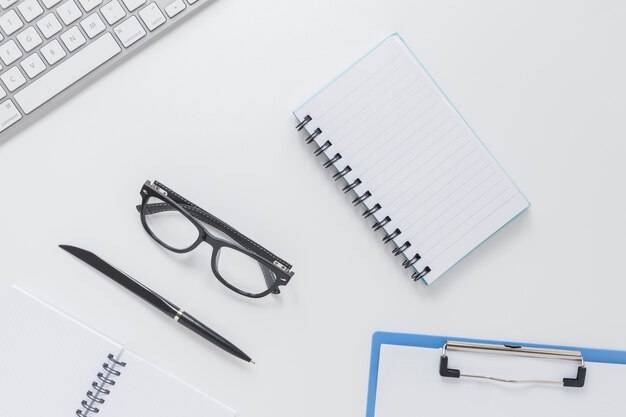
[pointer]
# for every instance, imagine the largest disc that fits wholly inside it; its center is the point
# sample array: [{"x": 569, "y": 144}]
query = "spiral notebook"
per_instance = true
[
  {"x": 52, "y": 365},
  {"x": 414, "y": 164}
]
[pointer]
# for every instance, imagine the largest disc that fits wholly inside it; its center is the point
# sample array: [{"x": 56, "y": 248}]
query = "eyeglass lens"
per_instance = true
[
  {"x": 169, "y": 225},
  {"x": 236, "y": 267}
]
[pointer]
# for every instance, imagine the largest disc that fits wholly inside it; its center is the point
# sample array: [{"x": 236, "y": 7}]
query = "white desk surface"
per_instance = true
[{"x": 207, "y": 110}]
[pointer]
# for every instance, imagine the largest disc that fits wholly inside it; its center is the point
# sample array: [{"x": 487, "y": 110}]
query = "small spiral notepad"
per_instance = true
[
  {"x": 415, "y": 165},
  {"x": 52, "y": 365}
]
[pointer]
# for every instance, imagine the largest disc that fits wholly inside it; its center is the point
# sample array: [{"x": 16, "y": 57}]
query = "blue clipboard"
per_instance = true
[{"x": 437, "y": 342}]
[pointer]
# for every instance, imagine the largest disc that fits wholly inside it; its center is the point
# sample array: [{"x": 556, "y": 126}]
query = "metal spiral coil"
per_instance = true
[
  {"x": 371, "y": 211},
  {"x": 322, "y": 148},
  {"x": 392, "y": 236},
  {"x": 352, "y": 186},
  {"x": 361, "y": 198},
  {"x": 341, "y": 173},
  {"x": 303, "y": 123},
  {"x": 332, "y": 160},
  {"x": 381, "y": 223},
  {"x": 94, "y": 398},
  {"x": 397, "y": 251},
  {"x": 313, "y": 135},
  {"x": 419, "y": 275},
  {"x": 410, "y": 262}
]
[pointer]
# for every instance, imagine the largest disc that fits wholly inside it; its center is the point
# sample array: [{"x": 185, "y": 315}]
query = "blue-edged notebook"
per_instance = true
[
  {"x": 412, "y": 375},
  {"x": 413, "y": 163}
]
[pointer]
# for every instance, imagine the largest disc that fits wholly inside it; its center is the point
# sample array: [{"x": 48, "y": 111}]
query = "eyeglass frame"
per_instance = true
[{"x": 195, "y": 214}]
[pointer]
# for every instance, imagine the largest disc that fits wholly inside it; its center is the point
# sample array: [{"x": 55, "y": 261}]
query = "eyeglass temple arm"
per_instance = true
[{"x": 208, "y": 218}]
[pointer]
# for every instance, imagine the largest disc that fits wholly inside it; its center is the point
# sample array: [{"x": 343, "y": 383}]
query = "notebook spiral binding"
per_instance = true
[
  {"x": 408, "y": 263},
  {"x": 94, "y": 398}
]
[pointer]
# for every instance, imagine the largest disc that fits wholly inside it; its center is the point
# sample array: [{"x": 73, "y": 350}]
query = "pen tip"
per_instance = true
[{"x": 252, "y": 362}]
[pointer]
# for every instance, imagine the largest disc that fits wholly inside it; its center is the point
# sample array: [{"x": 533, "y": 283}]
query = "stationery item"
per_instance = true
[
  {"x": 239, "y": 263},
  {"x": 443, "y": 376},
  {"x": 53, "y": 365},
  {"x": 415, "y": 165},
  {"x": 157, "y": 301}
]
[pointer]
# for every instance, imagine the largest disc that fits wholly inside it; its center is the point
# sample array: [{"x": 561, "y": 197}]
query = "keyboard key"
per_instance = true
[
  {"x": 133, "y": 5},
  {"x": 29, "y": 39},
  {"x": 129, "y": 31},
  {"x": 33, "y": 65},
  {"x": 152, "y": 16},
  {"x": 53, "y": 52},
  {"x": 9, "y": 114},
  {"x": 67, "y": 73},
  {"x": 10, "y": 22},
  {"x": 69, "y": 12},
  {"x": 6, "y": 3},
  {"x": 3, "y": 93},
  {"x": 191, "y": 1},
  {"x": 73, "y": 39},
  {"x": 13, "y": 78},
  {"x": 50, "y": 3},
  {"x": 89, "y": 5},
  {"x": 49, "y": 25},
  {"x": 174, "y": 8},
  {"x": 30, "y": 9},
  {"x": 92, "y": 25},
  {"x": 9, "y": 52},
  {"x": 113, "y": 12}
]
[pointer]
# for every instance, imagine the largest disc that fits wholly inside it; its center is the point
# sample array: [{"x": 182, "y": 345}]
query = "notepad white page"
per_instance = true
[
  {"x": 47, "y": 359},
  {"x": 414, "y": 152},
  {"x": 409, "y": 384},
  {"x": 48, "y": 362},
  {"x": 147, "y": 391}
]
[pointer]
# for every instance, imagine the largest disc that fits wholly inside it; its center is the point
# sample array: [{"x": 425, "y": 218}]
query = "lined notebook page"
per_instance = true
[{"x": 415, "y": 154}]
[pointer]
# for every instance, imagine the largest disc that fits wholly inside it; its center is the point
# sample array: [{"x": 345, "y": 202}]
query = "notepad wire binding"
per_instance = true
[
  {"x": 341, "y": 173},
  {"x": 95, "y": 398}
]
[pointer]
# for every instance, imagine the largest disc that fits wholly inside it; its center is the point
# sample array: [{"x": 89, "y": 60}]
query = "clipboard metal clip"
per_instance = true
[{"x": 556, "y": 354}]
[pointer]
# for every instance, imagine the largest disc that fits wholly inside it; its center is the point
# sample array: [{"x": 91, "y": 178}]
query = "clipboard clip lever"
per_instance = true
[{"x": 512, "y": 350}]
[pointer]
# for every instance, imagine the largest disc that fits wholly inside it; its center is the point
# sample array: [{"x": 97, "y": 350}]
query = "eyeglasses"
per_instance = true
[{"x": 242, "y": 265}]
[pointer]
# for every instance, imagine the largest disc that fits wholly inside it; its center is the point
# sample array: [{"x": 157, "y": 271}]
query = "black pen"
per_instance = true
[{"x": 156, "y": 300}]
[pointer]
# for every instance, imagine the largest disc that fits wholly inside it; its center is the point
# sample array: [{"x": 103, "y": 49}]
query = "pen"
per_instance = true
[{"x": 165, "y": 306}]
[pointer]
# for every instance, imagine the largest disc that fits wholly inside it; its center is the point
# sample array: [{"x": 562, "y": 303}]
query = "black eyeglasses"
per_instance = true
[{"x": 243, "y": 265}]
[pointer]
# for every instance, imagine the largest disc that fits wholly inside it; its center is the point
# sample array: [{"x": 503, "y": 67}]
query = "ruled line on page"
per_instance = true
[
  {"x": 400, "y": 83},
  {"x": 450, "y": 194},
  {"x": 408, "y": 164},
  {"x": 408, "y": 211},
  {"x": 407, "y": 207},
  {"x": 391, "y": 61},
  {"x": 425, "y": 226},
  {"x": 394, "y": 161},
  {"x": 408, "y": 185},
  {"x": 387, "y": 141},
  {"x": 351, "y": 138},
  {"x": 421, "y": 243},
  {"x": 433, "y": 258}
]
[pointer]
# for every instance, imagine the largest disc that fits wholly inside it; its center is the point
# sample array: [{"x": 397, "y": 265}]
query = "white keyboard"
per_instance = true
[{"x": 49, "y": 46}]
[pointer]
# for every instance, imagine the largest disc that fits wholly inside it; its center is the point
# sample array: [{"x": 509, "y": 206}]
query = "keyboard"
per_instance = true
[{"x": 49, "y": 47}]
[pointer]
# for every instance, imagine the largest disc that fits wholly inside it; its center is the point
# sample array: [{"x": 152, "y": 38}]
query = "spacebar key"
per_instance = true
[{"x": 67, "y": 73}]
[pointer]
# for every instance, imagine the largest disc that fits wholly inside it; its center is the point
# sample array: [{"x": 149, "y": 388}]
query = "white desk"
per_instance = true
[{"x": 206, "y": 110}]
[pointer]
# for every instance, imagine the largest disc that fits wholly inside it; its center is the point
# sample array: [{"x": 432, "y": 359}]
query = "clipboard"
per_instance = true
[{"x": 414, "y": 374}]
